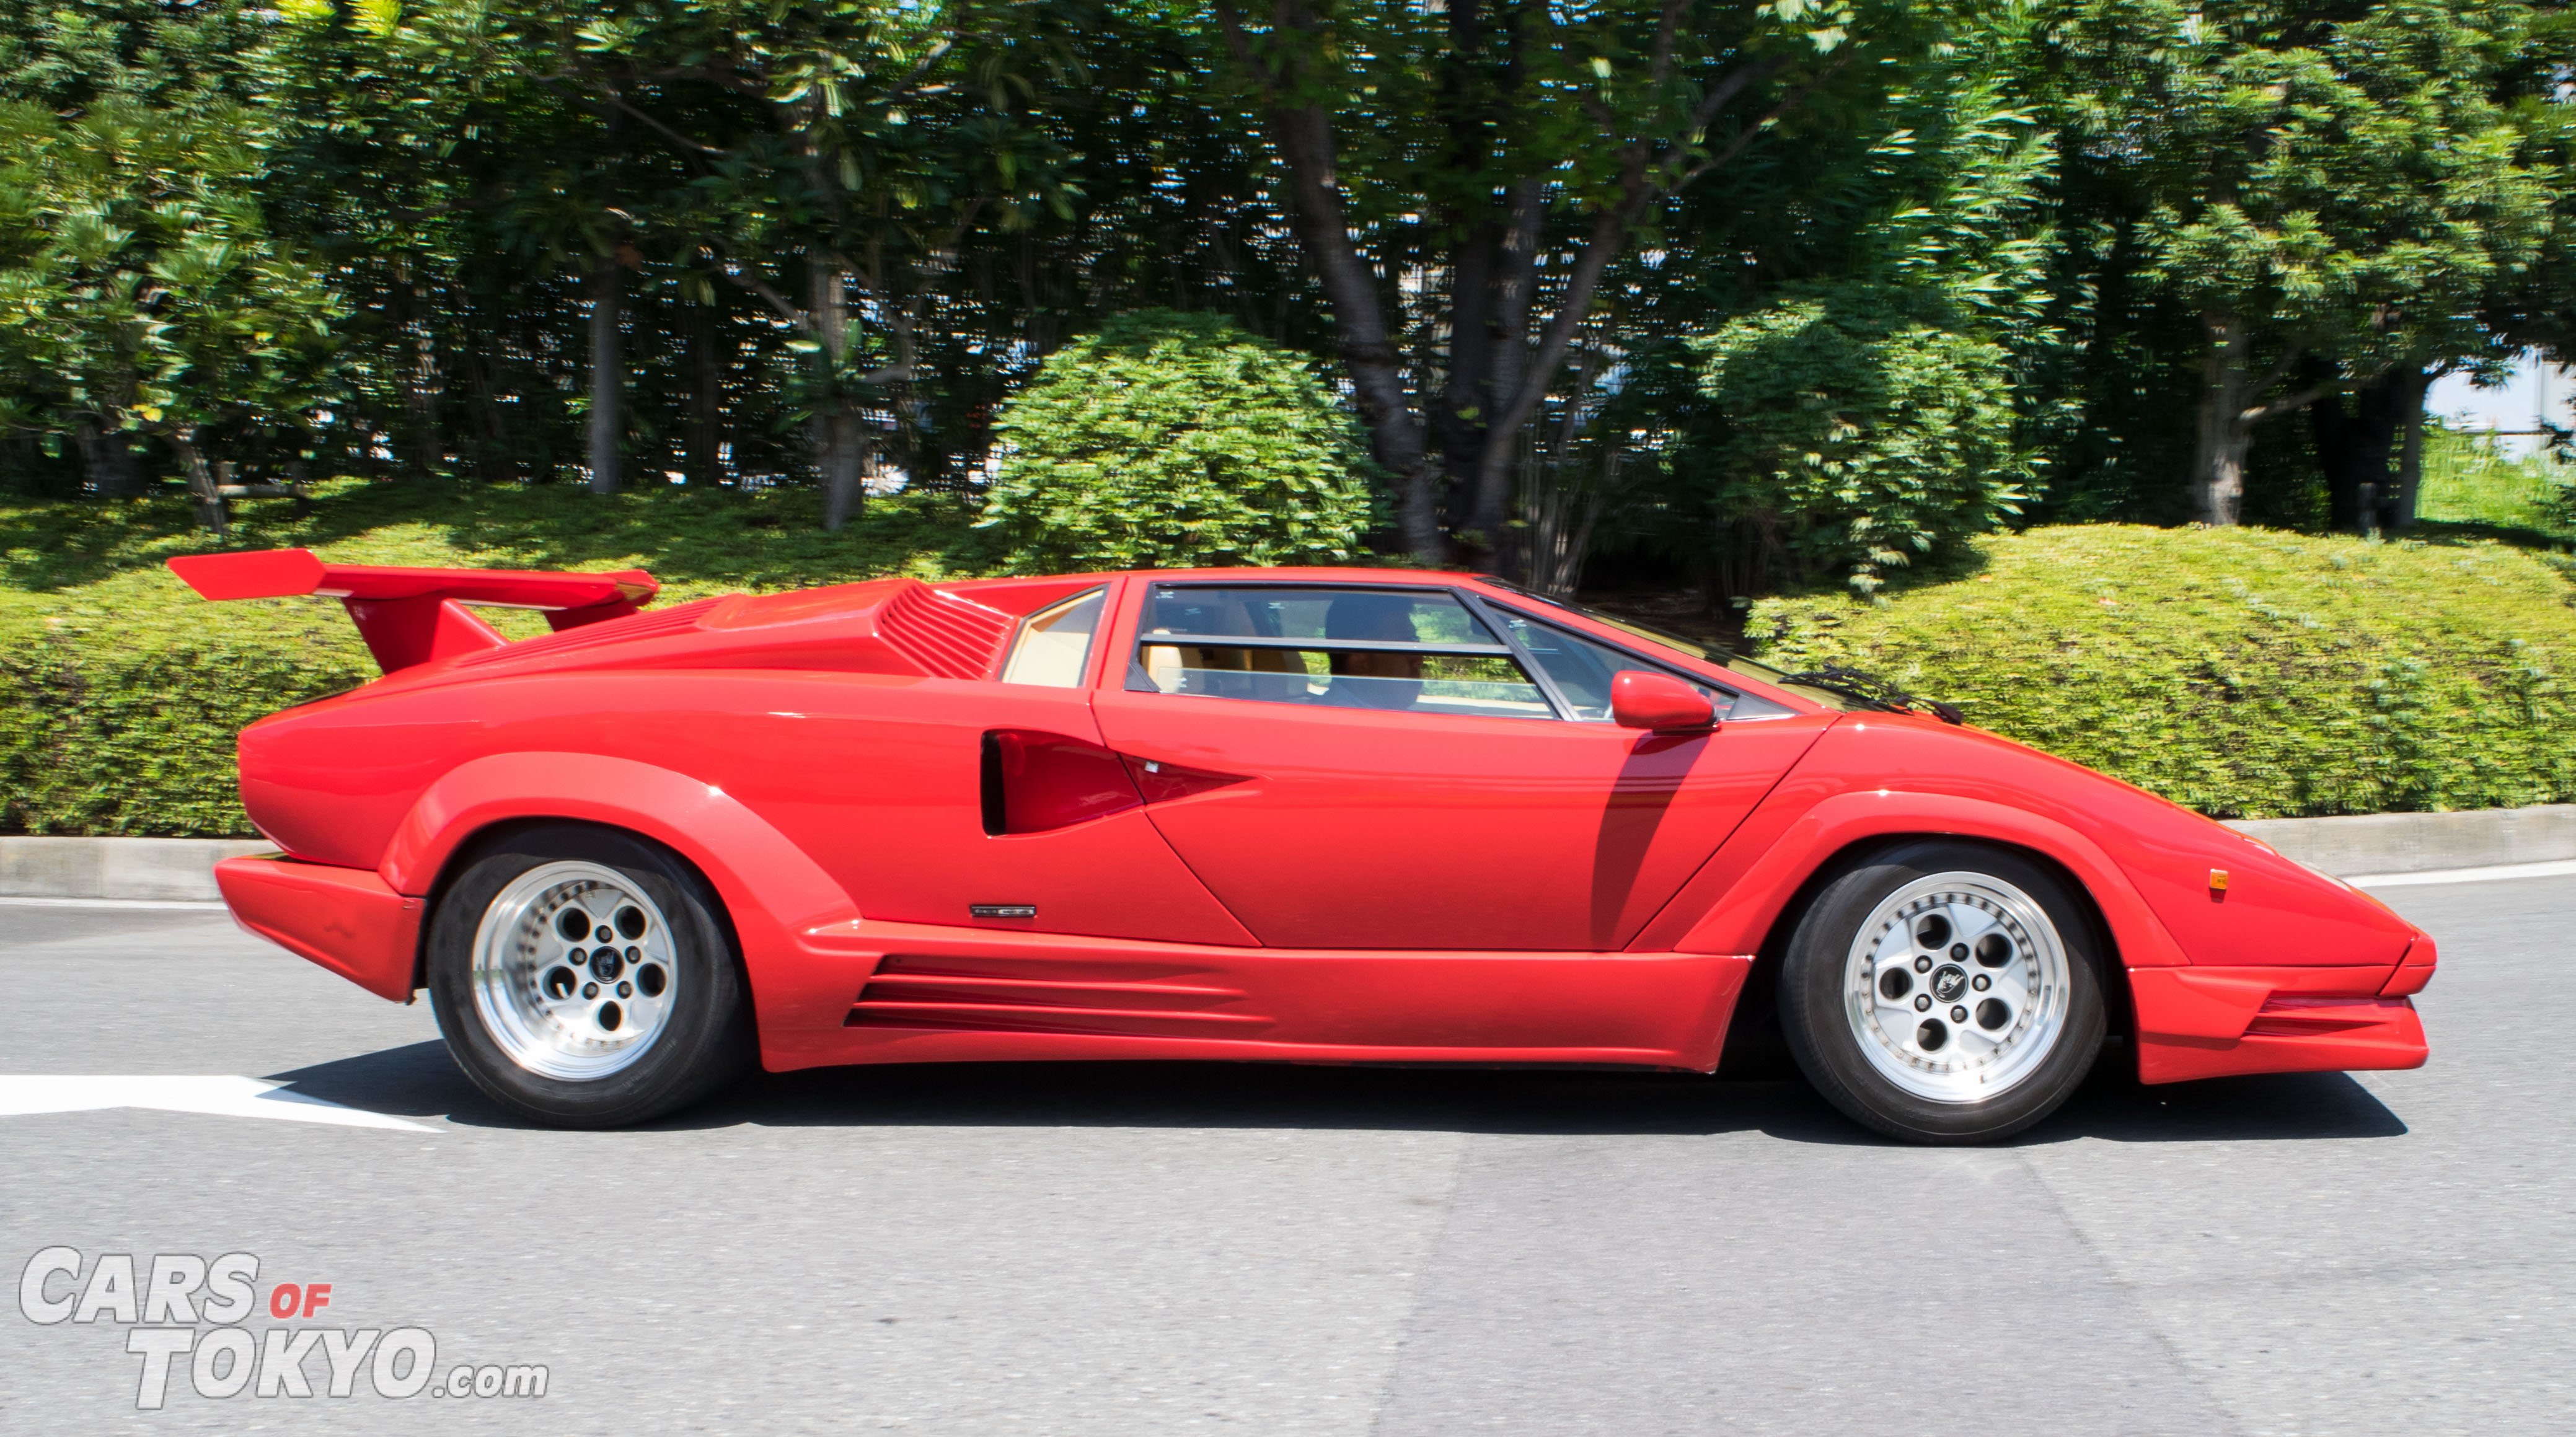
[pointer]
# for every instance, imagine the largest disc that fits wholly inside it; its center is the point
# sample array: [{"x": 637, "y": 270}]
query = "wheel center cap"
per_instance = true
[{"x": 1949, "y": 981}]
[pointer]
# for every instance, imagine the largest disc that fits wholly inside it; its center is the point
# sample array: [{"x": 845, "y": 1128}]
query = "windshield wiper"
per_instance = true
[{"x": 1862, "y": 686}]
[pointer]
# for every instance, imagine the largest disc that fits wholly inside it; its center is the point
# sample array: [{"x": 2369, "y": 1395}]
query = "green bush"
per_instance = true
[
  {"x": 1861, "y": 442},
  {"x": 2240, "y": 672},
  {"x": 1176, "y": 440}
]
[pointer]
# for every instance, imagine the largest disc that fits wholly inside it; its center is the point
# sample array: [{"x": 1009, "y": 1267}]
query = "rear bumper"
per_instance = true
[
  {"x": 346, "y": 919},
  {"x": 2214, "y": 1022}
]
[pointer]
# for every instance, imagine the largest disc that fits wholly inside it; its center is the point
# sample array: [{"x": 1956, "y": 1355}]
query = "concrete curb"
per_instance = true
[
  {"x": 161, "y": 868},
  {"x": 2381, "y": 843},
  {"x": 2422, "y": 842}
]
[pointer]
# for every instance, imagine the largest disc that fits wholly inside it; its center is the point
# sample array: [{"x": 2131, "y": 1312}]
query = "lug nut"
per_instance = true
[
  {"x": 1983, "y": 982},
  {"x": 1923, "y": 965},
  {"x": 1958, "y": 1015},
  {"x": 1922, "y": 1002}
]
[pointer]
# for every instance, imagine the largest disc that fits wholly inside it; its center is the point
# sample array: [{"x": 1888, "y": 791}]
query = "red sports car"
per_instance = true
[{"x": 1263, "y": 814}]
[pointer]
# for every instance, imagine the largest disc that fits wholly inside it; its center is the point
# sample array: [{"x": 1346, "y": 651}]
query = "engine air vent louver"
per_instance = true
[{"x": 951, "y": 637}]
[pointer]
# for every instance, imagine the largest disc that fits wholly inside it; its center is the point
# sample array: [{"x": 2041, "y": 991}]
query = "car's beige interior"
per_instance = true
[
  {"x": 1166, "y": 664},
  {"x": 1053, "y": 643}
]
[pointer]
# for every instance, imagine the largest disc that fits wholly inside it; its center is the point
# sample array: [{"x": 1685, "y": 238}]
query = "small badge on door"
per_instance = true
[{"x": 1003, "y": 910}]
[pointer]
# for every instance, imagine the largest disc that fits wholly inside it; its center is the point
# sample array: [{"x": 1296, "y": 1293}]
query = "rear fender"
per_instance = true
[{"x": 771, "y": 890}]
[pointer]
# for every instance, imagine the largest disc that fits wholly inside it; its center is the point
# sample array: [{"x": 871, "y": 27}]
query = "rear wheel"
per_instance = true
[
  {"x": 1944, "y": 992},
  {"x": 584, "y": 978}
]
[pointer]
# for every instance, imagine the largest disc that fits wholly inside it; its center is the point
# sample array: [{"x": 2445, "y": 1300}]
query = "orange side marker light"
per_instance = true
[{"x": 2218, "y": 880}]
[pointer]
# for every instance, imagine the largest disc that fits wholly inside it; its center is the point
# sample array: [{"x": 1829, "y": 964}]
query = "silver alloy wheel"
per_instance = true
[
  {"x": 574, "y": 971},
  {"x": 1957, "y": 987}
]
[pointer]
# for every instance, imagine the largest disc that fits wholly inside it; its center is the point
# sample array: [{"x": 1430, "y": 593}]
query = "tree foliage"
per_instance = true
[{"x": 1777, "y": 293}]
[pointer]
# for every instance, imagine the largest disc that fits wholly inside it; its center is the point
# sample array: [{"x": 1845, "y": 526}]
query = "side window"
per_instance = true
[
  {"x": 1054, "y": 642},
  {"x": 1401, "y": 650},
  {"x": 1581, "y": 669}
]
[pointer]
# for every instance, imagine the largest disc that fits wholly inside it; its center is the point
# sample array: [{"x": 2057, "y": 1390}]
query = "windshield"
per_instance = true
[{"x": 1725, "y": 659}]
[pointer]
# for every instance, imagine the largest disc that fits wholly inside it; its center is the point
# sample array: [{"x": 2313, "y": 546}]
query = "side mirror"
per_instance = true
[{"x": 1659, "y": 702}]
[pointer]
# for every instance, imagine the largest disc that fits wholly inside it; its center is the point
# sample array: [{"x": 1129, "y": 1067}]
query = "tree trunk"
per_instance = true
[
  {"x": 201, "y": 482},
  {"x": 2398, "y": 515},
  {"x": 416, "y": 374},
  {"x": 840, "y": 433},
  {"x": 2218, "y": 460},
  {"x": 706, "y": 394},
  {"x": 1304, "y": 137},
  {"x": 2354, "y": 445},
  {"x": 607, "y": 374},
  {"x": 1302, "y": 133},
  {"x": 109, "y": 459},
  {"x": 1520, "y": 369}
]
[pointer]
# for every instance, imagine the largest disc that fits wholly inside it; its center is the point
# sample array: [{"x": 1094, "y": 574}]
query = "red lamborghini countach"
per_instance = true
[{"x": 1255, "y": 814}]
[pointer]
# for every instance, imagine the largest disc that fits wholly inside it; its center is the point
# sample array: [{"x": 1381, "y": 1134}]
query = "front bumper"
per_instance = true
[
  {"x": 346, "y": 919},
  {"x": 2197, "y": 1022}
]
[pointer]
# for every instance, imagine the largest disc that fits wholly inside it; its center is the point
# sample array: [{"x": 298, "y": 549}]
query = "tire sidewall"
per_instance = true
[
  {"x": 1819, "y": 1033},
  {"x": 706, "y": 1038}
]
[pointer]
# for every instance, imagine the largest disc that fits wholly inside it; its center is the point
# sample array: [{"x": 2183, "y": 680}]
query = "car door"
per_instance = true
[{"x": 1388, "y": 766}]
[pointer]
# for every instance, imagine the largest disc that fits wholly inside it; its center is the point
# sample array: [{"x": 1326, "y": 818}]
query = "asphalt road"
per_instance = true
[{"x": 1155, "y": 1249}]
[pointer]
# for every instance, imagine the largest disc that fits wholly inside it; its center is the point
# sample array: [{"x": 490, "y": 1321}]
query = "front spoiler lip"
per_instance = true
[{"x": 2214, "y": 1022}]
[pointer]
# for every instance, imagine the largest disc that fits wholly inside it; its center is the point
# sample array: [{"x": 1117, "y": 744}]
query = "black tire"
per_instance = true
[
  {"x": 705, "y": 1034},
  {"x": 1829, "y": 1003}
]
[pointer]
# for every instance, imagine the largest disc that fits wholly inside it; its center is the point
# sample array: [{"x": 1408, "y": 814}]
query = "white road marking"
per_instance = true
[
  {"x": 2558, "y": 869},
  {"x": 210, "y": 905},
  {"x": 223, "y": 1095}
]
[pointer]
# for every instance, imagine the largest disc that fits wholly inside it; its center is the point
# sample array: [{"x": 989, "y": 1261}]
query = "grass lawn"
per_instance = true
[{"x": 2471, "y": 484}]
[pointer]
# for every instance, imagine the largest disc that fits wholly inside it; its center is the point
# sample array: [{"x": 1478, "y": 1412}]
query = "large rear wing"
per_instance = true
[{"x": 413, "y": 616}]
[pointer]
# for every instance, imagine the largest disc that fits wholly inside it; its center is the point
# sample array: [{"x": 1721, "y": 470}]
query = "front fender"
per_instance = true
[
  {"x": 1742, "y": 891},
  {"x": 772, "y": 891}
]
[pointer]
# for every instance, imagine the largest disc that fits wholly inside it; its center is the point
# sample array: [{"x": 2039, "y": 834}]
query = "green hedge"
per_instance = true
[
  {"x": 118, "y": 709},
  {"x": 2240, "y": 672},
  {"x": 121, "y": 691},
  {"x": 2244, "y": 673}
]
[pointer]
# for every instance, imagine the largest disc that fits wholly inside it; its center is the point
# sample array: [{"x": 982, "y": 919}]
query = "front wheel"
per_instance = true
[
  {"x": 1944, "y": 992},
  {"x": 584, "y": 978}
]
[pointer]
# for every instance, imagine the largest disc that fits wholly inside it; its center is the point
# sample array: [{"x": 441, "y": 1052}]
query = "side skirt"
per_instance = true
[{"x": 923, "y": 993}]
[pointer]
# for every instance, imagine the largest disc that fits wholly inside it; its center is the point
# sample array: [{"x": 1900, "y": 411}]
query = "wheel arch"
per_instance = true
[
  {"x": 470, "y": 848},
  {"x": 1757, "y": 886},
  {"x": 1762, "y": 982},
  {"x": 770, "y": 891}
]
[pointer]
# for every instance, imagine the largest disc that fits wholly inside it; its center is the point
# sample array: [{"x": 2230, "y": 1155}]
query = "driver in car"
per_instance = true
[{"x": 1384, "y": 617}]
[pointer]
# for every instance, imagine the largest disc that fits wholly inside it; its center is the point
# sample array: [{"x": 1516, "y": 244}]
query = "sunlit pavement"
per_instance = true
[{"x": 1146, "y": 1248}]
